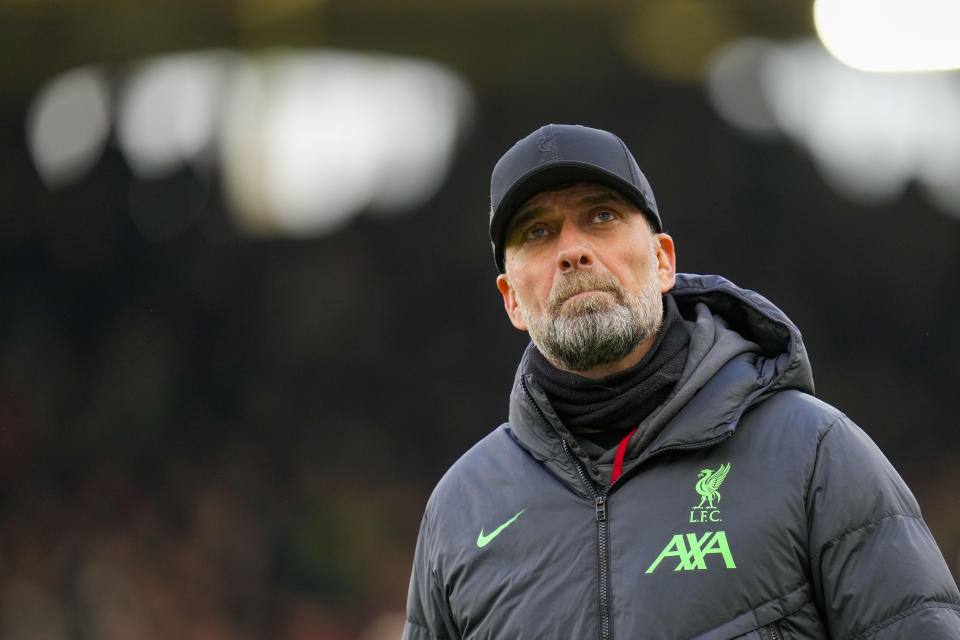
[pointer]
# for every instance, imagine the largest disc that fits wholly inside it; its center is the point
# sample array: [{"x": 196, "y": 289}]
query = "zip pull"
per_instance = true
[{"x": 601, "y": 509}]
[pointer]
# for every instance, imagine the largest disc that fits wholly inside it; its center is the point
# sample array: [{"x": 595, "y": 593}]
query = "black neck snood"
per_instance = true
[{"x": 605, "y": 410}]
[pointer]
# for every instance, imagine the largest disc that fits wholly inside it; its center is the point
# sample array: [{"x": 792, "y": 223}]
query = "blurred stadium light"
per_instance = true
[
  {"x": 312, "y": 138},
  {"x": 890, "y": 35},
  {"x": 869, "y": 134},
  {"x": 303, "y": 140},
  {"x": 735, "y": 87},
  {"x": 168, "y": 111},
  {"x": 67, "y": 125}
]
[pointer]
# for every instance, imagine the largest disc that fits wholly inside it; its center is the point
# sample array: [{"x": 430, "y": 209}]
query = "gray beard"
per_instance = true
[{"x": 594, "y": 330}]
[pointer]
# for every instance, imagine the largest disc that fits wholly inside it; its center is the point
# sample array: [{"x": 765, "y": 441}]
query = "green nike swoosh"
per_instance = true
[{"x": 483, "y": 540}]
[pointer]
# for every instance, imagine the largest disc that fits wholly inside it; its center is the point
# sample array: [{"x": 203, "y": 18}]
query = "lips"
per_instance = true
[
  {"x": 588, "y": 301},
  {"x": 582, "y": 286},
  {"x": 585, "y": 293}
]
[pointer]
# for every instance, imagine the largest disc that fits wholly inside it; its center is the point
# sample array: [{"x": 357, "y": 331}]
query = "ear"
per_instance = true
[
  {"x": 666, "y": 261},
  {"x": 510, "y": 302}
]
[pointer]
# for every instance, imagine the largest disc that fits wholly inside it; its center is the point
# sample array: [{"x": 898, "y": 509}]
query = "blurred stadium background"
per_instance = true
[{"x": 248, "y": 313}]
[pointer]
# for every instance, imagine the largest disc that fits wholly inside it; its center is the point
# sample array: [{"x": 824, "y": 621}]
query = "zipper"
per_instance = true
[
  {"x": 600, "y": 510},
  {"x": 600, "y": 513},
  {"x": 603, "y": 560},
  {"x": 772, "y": 632}
]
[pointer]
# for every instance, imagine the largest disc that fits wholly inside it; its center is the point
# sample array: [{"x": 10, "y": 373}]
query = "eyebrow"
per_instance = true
[
  {"x": 606, "y": 196},
  {"x": 524, "y": 215}
]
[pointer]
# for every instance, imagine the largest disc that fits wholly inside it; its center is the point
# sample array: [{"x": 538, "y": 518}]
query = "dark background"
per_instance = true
[{"x": 212, "y": 436}]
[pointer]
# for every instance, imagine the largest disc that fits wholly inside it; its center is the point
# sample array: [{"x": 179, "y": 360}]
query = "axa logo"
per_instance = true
[
  {"x": 691, "y": 551},
  {"x": 708, "y": 486}
]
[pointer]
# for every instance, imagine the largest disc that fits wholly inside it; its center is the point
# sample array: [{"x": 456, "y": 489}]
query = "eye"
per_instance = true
[
  {"x": 534, "y": 233},
  {"x": 603, "y": 216}
]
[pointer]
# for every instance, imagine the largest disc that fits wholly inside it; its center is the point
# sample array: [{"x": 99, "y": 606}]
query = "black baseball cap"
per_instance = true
[{"x": 556, "y": 154}]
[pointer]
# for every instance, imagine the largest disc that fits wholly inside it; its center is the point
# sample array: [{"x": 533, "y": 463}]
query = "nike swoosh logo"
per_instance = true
[{"x": 484, "y": 540}]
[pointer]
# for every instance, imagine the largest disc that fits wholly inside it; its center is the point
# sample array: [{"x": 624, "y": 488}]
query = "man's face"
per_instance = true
[{"x": 584, "y": 275}]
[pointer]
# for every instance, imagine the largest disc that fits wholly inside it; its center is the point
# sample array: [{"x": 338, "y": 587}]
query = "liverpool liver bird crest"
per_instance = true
[{"x": 709, "y": 483}]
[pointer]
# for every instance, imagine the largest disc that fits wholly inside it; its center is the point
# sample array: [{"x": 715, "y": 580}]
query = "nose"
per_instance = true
[{"x": 573, "y": 251}]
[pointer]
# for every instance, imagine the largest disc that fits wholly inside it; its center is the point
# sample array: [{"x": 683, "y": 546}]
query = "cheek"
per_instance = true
[
  {"x": 531, "y": 284},
  {"x": 532, "y": 295},
  {"x": 639, "y": 273}
]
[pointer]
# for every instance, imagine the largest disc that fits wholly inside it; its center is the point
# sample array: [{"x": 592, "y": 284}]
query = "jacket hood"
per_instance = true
[{"x": 742, "y": 349}]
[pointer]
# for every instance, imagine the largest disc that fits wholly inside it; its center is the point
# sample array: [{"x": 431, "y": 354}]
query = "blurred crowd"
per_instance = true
[{"x": 181, "y": 454}]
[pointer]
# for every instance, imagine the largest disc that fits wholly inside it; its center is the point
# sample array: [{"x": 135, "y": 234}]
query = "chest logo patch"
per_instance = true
[
  {"x": 483, "y": 540},
  {"x": 708, "y": 486},
  {"x": 692, "y": 550}
]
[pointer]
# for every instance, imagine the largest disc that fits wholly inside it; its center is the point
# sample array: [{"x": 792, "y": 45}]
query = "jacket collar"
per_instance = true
[{"x": 742, "y": 349}]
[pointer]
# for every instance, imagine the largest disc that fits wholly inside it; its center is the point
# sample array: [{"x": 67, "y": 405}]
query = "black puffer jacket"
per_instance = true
[{"x": 752, "y": 510}]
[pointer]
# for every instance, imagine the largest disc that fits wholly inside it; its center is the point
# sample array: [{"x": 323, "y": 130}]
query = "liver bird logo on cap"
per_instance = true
[{"x": 548, "y": 144}]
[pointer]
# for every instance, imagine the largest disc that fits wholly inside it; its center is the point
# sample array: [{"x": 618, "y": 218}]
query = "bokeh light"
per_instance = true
[
  {"x": 303, "y": 140},
  {"x": 869, "y": 134},
  {"x": 890, "y": 35},
  {"x": 168, "y": 111},
  {"x": 734, "y": 86},
  {"x": 312, "y": 138},
  {"x": 67, "y": 125}
]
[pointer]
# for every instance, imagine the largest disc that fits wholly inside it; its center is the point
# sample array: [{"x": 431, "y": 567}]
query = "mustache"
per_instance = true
[{"x": 580, "y": 282}]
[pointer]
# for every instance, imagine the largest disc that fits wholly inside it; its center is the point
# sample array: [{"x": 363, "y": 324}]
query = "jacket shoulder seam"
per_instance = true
[
  {"x": 838, "y": 417},
  {"x": 843, "y": 534},
  {"x": 869, "y": 631}
]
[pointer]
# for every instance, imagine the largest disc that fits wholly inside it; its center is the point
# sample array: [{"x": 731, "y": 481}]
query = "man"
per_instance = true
[{"x": 665, "y": 471}]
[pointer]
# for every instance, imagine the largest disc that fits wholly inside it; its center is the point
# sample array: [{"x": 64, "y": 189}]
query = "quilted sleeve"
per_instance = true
[
  {"x": 877, "y": 571},
  {"x": 428, "y": 617}
]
